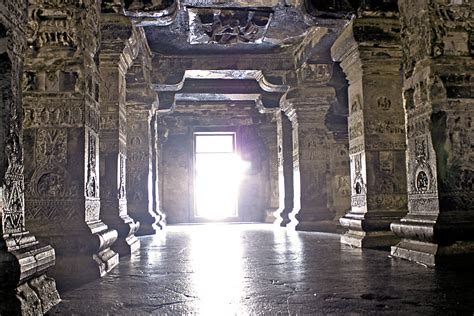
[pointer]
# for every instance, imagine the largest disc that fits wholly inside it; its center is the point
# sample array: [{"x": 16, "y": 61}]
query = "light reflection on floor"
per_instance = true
[
  {"x": 245, "y": 269},
  {"x": 217, "y": 264}
]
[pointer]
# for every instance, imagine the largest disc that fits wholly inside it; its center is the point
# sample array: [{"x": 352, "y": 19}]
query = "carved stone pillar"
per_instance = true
[
  {"x": 438, "y": 95},
  {"x": 24, "y": 287},
  {"x": 285, "y": 169},
  {"x": 115, "y": 59},
  {"x": 268, "y": 132},
  {"x": 369, "y": 52},
  {"x": 61, "y": 139},
  {"x": 340, "y": 178},
  {"x": 307, "y": 108},
  {"x": 140, "y": 180}
]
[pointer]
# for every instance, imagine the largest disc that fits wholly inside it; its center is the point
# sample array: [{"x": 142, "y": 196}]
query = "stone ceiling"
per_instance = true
[
  {"x": 273, "y": 39},
  {"x": 185, "y": 27}
]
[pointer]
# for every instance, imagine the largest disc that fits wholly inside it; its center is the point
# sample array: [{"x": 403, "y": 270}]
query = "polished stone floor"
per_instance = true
[{"x": 253, "y": 269}]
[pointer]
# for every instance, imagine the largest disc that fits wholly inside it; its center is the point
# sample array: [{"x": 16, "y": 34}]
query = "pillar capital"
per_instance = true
[
  {"x": 369, "y": 45},
  {"x": 308, "y": 103}
]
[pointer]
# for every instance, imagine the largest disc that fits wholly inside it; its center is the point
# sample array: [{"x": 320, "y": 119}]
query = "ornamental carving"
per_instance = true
[
  {"x": 227, "y": 26},
  {"x": 122, "y": 192},
  {"x": 52, "y": 115},
  {"x": 91, "y": 180},
  {"x": 423, "y": 180},
  {"x": 13, "y": 200},
  {"x": 358, "y": 184},
  {"x": 315, "y": 73},
  {"x": 51, "y": 147}
]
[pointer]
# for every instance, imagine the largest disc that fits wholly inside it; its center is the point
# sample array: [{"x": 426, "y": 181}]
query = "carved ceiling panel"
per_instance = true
[{"x": 227, "y": 26}]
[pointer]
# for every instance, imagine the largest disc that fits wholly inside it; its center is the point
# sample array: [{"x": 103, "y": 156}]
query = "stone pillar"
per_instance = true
[
  {"x": 369, "y": 52},
  {"x": 285, "y": 169},
  {"x": 141, "y": 186},
  {"x": 438, "y": 95},
  {"x": 268, "y": 132},
  {"x": 116, "y": 57},
  {"x": 24, "y": 287},
  {"x": 340, "y": 188},
  {"x": 61, "y": 120},
  {"x": 306, "y": 107},
  {"x": 160, "y": 135}
]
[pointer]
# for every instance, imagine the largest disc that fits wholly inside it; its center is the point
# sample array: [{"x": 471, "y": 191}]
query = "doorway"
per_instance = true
[{"x": 217, "y": 176}]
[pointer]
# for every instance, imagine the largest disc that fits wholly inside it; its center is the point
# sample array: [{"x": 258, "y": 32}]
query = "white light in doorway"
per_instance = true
[{"x": 218, "y": 174}]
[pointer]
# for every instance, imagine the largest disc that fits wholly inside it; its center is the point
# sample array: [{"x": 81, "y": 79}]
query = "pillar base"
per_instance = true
[
  {"x": 25, "y": 289},
  {"x": 127, "y": 243},
  {"x": 82, "y": 253},
  {"x": 128, "y": 246},
  {"x": 282, "y": 217},
  {"x": 431, "y": 254},
  {"x": 270, "y": 215},
  {"x": 145, "y": 229},
  {"x": 362, "y": 239},
  {"x": 370, "y": 230},
  {"x": 35, "y": 297},
  {"x": 435, "y": 240},
  {"x": 317, "y": 226}
]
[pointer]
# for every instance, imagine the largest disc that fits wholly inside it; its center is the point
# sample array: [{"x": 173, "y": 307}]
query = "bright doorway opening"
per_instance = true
[{"x": 217, "y": 173}]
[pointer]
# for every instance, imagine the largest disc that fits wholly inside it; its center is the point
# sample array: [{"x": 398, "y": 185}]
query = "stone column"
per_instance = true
[
  {"x": 268, "y": 132},
  {"x": 285, "y": 169},
  {"x": 306, "y": 107},
  {"x": 160, "y": 135},
  {"x": 340, "y": 178},
  {"x": 24, "y": 287},
  {"x": 115, "y": 58},
  {"x": 369, "y": 52},
  {"x": 140, "y": 179},
  {"x": 61, "y": 120},
  {"x": 438, "y": 96}
]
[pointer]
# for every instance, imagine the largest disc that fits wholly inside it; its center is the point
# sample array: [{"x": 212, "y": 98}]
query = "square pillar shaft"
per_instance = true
[
  {"x": 307, "y": 108},
  {"x": 285, "y": 169},
  {"x": 113, "y": 152},
  {"x": 61, "y": 124},
  {"x": 438, "y": 100},
  {"x": 140, "y": 186},
  {"x": 24, "y": 287},
  {"x": 376, "y": 130},
  {"x": 268, "y": 132}
]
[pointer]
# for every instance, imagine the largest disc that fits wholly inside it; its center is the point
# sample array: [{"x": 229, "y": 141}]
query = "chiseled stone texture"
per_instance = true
[
  {"x": 438, "y": 68},
  {"x": 24, "y": 288},
  {"x": 369, "y": 52},
  {"x": 253, "y": 270},
  {"x": 61, "y": 122}
]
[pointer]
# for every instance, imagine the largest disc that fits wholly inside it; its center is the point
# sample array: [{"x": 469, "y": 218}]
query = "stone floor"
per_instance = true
[{"x": 254, "y": 269}]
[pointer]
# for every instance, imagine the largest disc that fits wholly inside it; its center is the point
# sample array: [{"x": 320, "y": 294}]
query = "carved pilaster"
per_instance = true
[
  {"x": 117, "y": 53},
  {"x": 61, "y": 138},
  {"x": 307, "y": 107},
  {"x": 438, "y": 100},
  {"x": 285, "y": 169},
  {"x": 370, "y": 55},
  {"x": 24, "y": 287}
]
